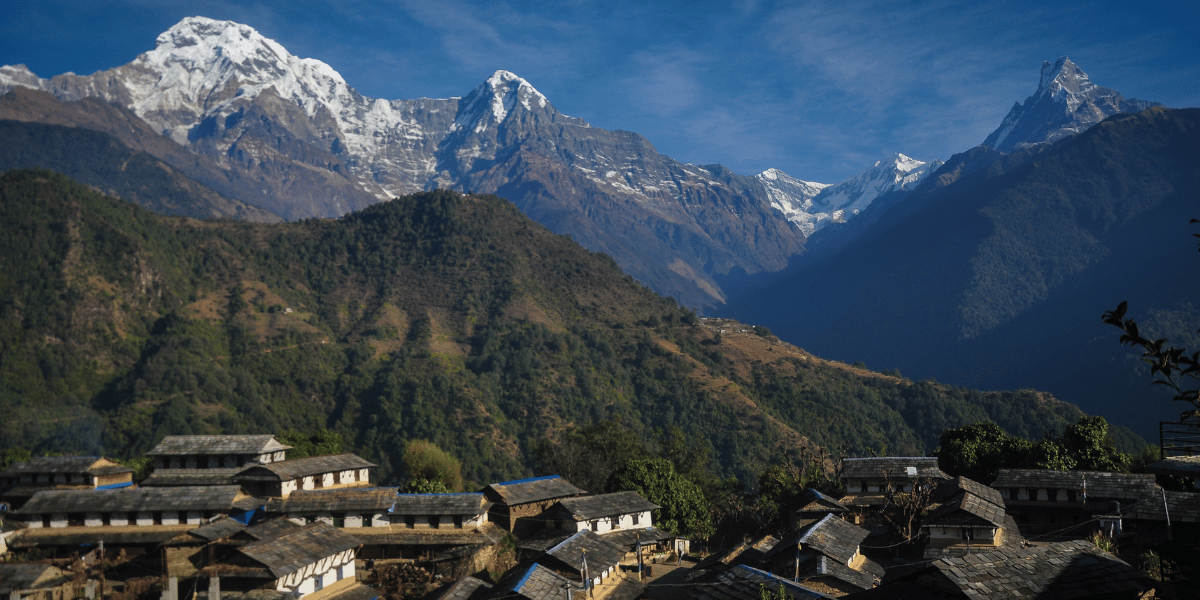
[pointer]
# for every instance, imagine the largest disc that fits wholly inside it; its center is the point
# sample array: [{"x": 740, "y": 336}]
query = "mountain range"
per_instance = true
[
  {"x": 289, "y": 135},
  {"x": 277, "y": 137}
]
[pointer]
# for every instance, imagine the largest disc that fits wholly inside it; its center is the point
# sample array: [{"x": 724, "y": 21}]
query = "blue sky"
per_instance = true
[{"x": 819, "y": 89}]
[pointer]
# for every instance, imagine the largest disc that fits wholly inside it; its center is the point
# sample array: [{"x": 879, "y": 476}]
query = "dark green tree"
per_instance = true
[
  {"x": 978, "y": 451},
  {"x": 424, "y": 460},
  {"x": 684, "y": 510}
]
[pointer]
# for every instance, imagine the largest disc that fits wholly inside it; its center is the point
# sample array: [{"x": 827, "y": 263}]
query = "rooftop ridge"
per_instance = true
[{"x": 528, "y": 480}]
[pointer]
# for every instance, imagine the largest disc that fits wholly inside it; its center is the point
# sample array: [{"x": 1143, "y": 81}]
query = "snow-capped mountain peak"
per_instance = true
[
  {"x": 494, "y": 99},
  {"x": 1065, "y": 103},
  {"x": 811, "y": 206}
]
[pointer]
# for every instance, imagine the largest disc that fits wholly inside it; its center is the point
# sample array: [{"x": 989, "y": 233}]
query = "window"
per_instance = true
[
  {"x": 410, "y": 521},
  {"x": 636, "y": 518},
  {"x": 595, "y": 526},
  {"x": 435, "y": 521}
]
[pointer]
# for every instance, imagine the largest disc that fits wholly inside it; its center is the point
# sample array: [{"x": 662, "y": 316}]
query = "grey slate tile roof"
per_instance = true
[
  {"x": 24, "y": 576},
  {"x": 78, "y": 536},
  {"x": 1062, "y": 570},
  {"x": 830, "y": 536},
  {"x": 293, "y": 550},
  {"x": 586, "y": 508},
  {"x": 1182, "y": 507},
  {"x": 486, "y": 535},
  {"x": 894, "y": 467},
  {"x": 746, "y": 553},
  {"x": 1118, "y": 486},
  {"x": 627, "y": 538},
  {"x": 536, "y": 489},
  {"x": 287, "y": 470},
  {"x": 180, "y": 499},
  {"x": 193, "y": 445},
  {"x": 812, "y": 500},
  {"x": 271, "y": 528},
  {"x": 958, "y": 485},
  {"x": 966, "y": 508},
  {"x": 361, "y": 500},
  {"x": 92, "y": 465},
  {"x": 219, "y": 529},
  {"x": 440, "y": 504},
  {"x": 186, "y": 477},
  {"x": 745, "y": 583},
  {"x": 812, "y": 567},
  {"x": 536, "y": 582},
  {"x": 601, "y": 554},
  {"x": 466, "y": 588}
]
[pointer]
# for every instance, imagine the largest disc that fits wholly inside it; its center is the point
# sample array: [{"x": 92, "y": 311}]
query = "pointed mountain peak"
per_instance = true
[
  {"x": 1065, "y": 103},
  {"x": 496, "y": 98}
]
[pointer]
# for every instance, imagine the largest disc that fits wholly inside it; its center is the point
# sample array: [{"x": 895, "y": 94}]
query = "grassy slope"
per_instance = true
[{"x": 439, "y": 316}]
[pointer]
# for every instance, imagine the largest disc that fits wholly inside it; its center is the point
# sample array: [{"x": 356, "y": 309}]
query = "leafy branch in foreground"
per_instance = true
[{"x": 1172, "y": 366}]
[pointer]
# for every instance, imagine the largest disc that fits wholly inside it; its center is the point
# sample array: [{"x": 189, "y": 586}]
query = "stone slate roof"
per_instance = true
[
  {"x": 92, "y": 465},
  {"x": 830, "y": 536},
  {"x": 185, "y": 477},
  {"x": 746, "y": 583},
  {"x": 958, "y": 485},
  {"x": 1179, "y": 466},
  {"x": 894, "y": 467},
  {"x": 813, "y": 567},
  {"x": 194, "y": 445},
  {"x": 536, "y": 582},
  {"x": 466, "y": 588},
  {"x": 967, "y": 509},
  {"x": 1182, "y": 507},
  {"x": 746, "y": 553},
  {"x": 219, "y": 529},
  {"x": 482, "y": 536},
  {"x": 271, "y": 529},
  {"x": 1062, "y": 570},
  {"x": 180, "y": 499},
  {"x": 293, "y": 550},
  {"x": 626, "y": 538},
  {"x": 24, "y": 576},
  {"x": 361, "y": 500},
  {"x": 78, "y": 536},
  {"x": 537, "y": 489},
  {"x": 586, "y": 508},
  {"x": 296, "y": 468},
  {"x": 812, "y": 500},
  {"x": 441, "y": 504},
  {"x": 1118, "y": 486},
  {"x": 601, "y": 554}
]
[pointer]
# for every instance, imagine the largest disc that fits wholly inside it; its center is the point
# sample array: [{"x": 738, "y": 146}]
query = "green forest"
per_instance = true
[{"x": 441, "y": 317}]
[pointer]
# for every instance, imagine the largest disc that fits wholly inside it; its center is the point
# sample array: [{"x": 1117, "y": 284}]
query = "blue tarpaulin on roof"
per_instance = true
[{"x": 113, "y": 486}]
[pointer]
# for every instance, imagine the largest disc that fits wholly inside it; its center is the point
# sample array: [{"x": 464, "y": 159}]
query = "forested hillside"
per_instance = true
[{"x": 438, "y": 316}]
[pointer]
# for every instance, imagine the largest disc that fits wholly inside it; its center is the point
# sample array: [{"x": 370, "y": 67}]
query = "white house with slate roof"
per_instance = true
[
  {"x": 281, "y": 478},
  {"x": 216, "y": 451},
  {"x": 304, "y": 560},
  {"x": 603, "y": 513},
  {"x": 348, "y": 507},
  {"x": 525, "y": 498},
  {"x": 145, "y": 507}
]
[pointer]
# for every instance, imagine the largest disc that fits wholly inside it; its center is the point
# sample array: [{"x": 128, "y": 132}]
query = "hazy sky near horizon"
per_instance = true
[{"x": 820, "y": 90}]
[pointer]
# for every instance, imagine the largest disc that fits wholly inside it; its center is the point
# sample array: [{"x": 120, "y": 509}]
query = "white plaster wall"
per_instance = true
[
  {"x": 170, "y": 517},
  {"x": 309, "y": 483},
  {"x": 381, "y": 521},
  {"x": 1042, "y": 495},
  {"x": 194, "y": 517},
  {"x": 364, "y": 475},
  {"x": 327, "y": 480},
  {"x": 353, "y": 521},
  {"x": 145, "y": 518},
  {"x": 35, "y": 524},
  {"x": 1022, "y": 494},
  {"x": 118, "y": 520},
  {"x": 93, "y": 520},
  {"x": 58, "y": 520}
]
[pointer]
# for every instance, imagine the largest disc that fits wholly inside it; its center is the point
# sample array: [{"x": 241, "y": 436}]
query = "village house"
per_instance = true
[
  {"x": 339, "y": 507},
  {"x": 278, "y": 479},
  {"x": 967, "y": 516},
  {"x": 821, "y": 551},
  {"x": 868, "y": 480},
  {"x": 526, "y": 499},
  {"x": 814, "y": 506},
  {"x": 310, "y": 560},
  {"x": 1076, "y": 569},
  {"x": 749, "y": 553},
  {"x": 130, "y": 521},
  {"x": 20, "y": 481},
  {"x": 447, "y": 534},
  {"x": 602, "y": 513},
  {"x": 587, "y": 552},
  {"x": 1162, "y": 518},
  {"x": 210, "y": 459},
  {"x": 536, "y": 582},
  {"x": 1043, "y": 501}
]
